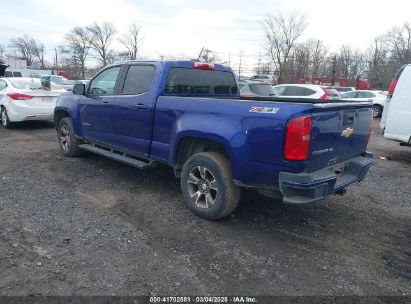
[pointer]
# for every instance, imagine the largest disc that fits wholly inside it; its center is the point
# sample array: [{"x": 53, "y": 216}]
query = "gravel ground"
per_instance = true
[{"x": 92, "y": 226}]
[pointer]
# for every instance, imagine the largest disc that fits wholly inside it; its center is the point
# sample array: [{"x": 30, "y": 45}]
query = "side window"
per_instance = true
[
  {"x": 104, "y": 82},
  {"x": 279, "y": 90},
  {"x": 349, "y": 95},
  {"x": 3, "y": 85},
  {"x": 309, "y": 92},
  {"x": 365, "y": 95},
  {"x": 138, "y": 79},
  {"x": 295, "y": 91}
]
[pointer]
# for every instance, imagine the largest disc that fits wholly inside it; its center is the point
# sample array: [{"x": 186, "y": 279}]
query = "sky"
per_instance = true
[{"x": 227, "y": 27}]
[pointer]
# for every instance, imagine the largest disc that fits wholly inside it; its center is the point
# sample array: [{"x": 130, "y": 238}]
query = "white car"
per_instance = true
[
  {"x": 396, "y": 118},
  {"x": 269, "y": 79},
  {"x": 311, "y": 91},
  {"x": 377, "y": 97},
  {"x": 23, "y": 99}
]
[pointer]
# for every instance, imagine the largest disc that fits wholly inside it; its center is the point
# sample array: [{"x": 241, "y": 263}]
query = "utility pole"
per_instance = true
[
  {"x": 239, "y": 65},
  {"x": 57, "y": 65},
  {"x": 333, "y": 76}
]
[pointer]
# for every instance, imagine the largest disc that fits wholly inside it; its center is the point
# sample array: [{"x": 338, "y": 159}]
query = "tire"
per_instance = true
[
  {"x": 377, "y": 111},
  {"x": 69, "y": 143},
  {"x": 208, "y": 187},
  {"x": 4, "y": 118}
]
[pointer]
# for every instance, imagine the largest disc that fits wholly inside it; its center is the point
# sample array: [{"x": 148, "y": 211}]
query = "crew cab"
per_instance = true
[{"x": 189, "y": 115}]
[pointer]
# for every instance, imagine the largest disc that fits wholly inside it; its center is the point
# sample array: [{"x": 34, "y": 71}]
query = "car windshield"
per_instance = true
[
  {"x": 262, "y": 89},
  {"x": 30, "y": 84}
]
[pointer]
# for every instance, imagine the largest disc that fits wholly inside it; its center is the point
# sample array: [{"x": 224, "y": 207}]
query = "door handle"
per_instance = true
[
  {"x": 141, "y": 106},
  {"x": 107, "y": 104}
]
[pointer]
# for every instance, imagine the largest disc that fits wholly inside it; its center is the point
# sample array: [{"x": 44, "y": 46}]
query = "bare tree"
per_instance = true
[
  {"x": 2, "y": 50},
  {"x": 24, "y": 47},
  {"x": 132, "y": 41},
  {"x": 38, "y": 52},
  {"x": 282, "y": 33},
  {"x": 399, "y": 39},
  {"x": 77, "y": 45},
  {"x": 101, "y": 37}
]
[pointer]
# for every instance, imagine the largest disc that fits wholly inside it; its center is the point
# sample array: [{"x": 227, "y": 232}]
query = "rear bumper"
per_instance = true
[
  {"x": 303, "y": 188},
  {"x": 21, "y": 112}
]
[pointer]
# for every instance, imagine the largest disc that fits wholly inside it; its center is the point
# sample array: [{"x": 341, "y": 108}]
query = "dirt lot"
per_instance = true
[{"x": 91, "y": 226}]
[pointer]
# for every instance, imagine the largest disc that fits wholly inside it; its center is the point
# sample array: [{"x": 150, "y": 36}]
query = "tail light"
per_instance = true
[
  {"x": 19, "y": 96},
  {"x": 394, "y": 82},
  {"x": 203, "y": 66},
  {"x": 392, "y": 87},
  {"x": 326, "y": 94},
  {"x": 298, "y": 138}
]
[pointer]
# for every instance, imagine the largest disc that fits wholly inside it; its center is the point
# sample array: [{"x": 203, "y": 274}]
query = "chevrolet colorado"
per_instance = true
[{"x": 189, "y": 115}]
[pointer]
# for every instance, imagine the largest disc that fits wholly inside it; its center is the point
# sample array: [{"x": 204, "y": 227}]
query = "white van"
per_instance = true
[{"x": 396, "y": 117}]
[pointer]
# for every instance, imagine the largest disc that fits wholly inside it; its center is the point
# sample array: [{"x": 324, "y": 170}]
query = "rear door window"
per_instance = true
[
  {"x": 296, "y": 91},
  {"x": 200, "y": 82},
  {"x": 138, "y": 79}
]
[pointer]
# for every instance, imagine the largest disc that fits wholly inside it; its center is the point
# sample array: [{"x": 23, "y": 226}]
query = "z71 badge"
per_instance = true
[{"x": 264, "y": 110}]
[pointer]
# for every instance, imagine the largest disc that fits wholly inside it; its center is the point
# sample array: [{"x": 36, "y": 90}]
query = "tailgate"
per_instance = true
[{"x": 339, "y": 132}]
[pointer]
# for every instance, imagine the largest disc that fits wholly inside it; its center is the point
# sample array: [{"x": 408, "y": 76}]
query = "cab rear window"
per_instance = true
[{"x": 200, "y": 82}]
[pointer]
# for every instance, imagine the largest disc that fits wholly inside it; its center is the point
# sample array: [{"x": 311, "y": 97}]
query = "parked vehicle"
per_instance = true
[
  {"x": 342, "y": 90},
  {"x": 61, "y": 81},
  {"x": 189, "y": 116},
  {"x": 269, "y": 79},
  {"x": 377, "y": 97},
  {"x": 254, "y": 89},
  {"x": 22, "y": 99},
  {"x": 310, "y": 91},
  {"x": 396, "y": 118}
]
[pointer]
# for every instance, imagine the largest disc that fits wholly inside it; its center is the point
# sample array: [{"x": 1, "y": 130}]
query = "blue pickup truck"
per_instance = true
[{"x": 190, "y": 116}]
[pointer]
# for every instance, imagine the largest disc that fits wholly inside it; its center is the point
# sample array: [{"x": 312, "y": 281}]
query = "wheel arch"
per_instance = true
[{"x": 189, "y": 145}]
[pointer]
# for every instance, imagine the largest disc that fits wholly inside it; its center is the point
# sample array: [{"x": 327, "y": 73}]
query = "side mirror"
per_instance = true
[{"x": 79, "y": 89}]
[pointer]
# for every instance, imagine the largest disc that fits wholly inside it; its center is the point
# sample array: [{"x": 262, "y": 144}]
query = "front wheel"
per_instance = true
[
  {"x": 208, "y": 187},
  {"x": 69, "y": 143},
  {"x": 377, "y": 111}
]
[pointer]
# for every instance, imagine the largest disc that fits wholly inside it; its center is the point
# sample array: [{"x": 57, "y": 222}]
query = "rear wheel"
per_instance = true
[
  {"x": 207, "y": 186},
  {"x": 5, "y": 122},
  {"x": 377, "y": 111},
  {"x": 69, "y": 143}
]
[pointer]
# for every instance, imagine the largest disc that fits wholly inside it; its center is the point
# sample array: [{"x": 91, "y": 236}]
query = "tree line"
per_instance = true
[
  {"x": 292, "y": 59},
  {"x": 287, "y": 56},
  {"x": 80, "y": 45}
]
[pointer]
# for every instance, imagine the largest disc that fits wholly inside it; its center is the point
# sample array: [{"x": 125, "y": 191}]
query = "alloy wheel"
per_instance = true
[
  {"x": 65, "y": 137},
  {"x": 202, "y": 187}
]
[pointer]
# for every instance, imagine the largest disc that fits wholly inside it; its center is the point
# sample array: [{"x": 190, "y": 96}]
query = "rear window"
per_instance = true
[
  {"x": 262, "y": 89},
  {"x": 200, "y": 82}
]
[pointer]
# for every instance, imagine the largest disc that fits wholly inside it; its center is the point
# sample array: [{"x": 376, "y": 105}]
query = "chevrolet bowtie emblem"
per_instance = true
[{"x": 347, "y": 132}]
